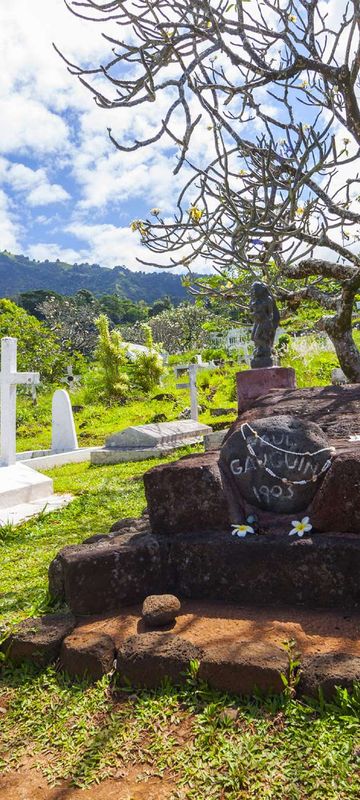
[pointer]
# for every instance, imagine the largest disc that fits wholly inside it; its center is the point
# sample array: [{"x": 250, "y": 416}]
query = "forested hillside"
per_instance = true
[{"x": 19, "y": 274}]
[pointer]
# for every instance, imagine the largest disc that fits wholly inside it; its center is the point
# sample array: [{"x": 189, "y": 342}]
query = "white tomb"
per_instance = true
[
  {"x": 64, "y": 438},
  {"x": 149, "y": 441},
  {"x": 19, "y": 484}
]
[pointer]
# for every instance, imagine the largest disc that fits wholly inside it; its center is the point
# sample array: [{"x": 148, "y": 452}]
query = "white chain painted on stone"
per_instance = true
[{"x": 287, "y": 481}]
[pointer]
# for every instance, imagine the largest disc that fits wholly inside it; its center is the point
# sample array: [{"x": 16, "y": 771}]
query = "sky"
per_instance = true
[{"x": 65, "y": 191}]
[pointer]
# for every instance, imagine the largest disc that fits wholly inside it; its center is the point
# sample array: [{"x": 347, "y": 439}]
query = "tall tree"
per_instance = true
[{"x": 275, "y": 85}]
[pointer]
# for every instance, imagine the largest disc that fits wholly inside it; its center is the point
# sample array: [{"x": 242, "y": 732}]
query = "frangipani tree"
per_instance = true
[{"x": 275, "y": 84}]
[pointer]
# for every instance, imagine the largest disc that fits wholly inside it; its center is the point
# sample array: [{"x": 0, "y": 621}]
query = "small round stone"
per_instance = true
[{"x": 160, "y": 609}]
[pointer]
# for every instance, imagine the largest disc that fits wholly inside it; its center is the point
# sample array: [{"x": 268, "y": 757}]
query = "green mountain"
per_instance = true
[{"x": 19, "y": 274}]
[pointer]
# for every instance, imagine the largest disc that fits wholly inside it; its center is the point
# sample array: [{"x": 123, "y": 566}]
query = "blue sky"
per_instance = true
[{"x": 64, "y": 191}]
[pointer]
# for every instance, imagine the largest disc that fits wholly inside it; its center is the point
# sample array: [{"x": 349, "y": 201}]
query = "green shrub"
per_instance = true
[
  {"x": 109, "y": 376},
  {"x": 38, "y": 348},
  {"x": 147, "y": 368},
  {"x": 312, "y": 363},
  {"x": 215, "y": 354}
]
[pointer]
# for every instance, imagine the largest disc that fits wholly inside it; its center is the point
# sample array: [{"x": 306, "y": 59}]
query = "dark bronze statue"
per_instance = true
[{"x": 266, "y": 320}]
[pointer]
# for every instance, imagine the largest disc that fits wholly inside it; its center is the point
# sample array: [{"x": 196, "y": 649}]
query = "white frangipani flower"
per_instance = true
[
  {"x": 241, "y": 530},
  {"x": 300, "y": 527}
]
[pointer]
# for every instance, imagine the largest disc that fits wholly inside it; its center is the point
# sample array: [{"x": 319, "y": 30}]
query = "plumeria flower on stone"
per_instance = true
[
  {"x": 300, "y": 527},
  {"x": 241, "y": 530}
]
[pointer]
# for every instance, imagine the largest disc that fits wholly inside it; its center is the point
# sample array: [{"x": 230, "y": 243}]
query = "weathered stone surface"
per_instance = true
[
  {"x": 336, "y": 505},
  {"x": 87, "y": 654},
  {"x": 247, "y": 474},
  {"x": 38, "y": 639},
  {"x": 214, "y": 440},
  {"x": 160, "y": 609},
  {"x": 254, "y": 665},
  {"x": 318, "y": 571},
  {"x": 222, "y": 412},
  {"x": 140, "y": 524},
  {"x": 148, "y": 658},
  {"x": 109, "y": 574},
  {"x": 335, "y": 408},
  {"x": 121, "y": 527},
  {"x": 327, "y": 671},
  {"x": 186, "y": 495}
]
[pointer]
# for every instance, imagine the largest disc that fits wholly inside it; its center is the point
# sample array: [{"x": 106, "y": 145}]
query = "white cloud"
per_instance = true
[
  {"x": 52, "y": 252},
  {"x": 30, "y": 126},
  {"x": 33, "y": 183},
  {"x": 109, "y": 245},
  {"x": 9, "y": 229},
  {"x": 47, "y": 193}
]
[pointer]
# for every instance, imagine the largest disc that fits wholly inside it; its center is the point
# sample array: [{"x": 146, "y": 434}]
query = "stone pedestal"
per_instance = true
[{"x": 256, "y": 382}]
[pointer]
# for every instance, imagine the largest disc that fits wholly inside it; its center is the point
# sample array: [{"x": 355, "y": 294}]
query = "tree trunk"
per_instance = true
[{"x": 346, "y": 350}]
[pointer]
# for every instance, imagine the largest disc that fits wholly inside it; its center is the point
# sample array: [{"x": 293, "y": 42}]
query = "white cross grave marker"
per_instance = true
[
  {"x": 71, "y": 380},
  {"x": 192, "y": 370},
  {"x": 9, "y": 379}
]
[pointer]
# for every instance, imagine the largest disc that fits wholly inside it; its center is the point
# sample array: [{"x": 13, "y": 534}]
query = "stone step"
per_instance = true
[
  {"x": 318, "y": 571},
  {"x": 239, "y": 648}
]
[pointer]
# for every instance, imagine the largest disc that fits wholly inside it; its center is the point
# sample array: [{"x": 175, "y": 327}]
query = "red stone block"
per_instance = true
[{"x": 254, "y": 383}]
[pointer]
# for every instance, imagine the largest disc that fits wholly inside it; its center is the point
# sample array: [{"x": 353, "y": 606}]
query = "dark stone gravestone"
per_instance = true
[{"x": 276, "y": 463}]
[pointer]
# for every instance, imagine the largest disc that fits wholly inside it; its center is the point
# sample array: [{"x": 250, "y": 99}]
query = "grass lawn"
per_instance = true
[{"x": 275, "y": 748}]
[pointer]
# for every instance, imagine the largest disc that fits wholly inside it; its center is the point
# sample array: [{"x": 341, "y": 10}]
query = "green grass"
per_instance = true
[
  {"x": 102, "y": 495},
  {"x": 277, "y": 749},
  {"x": 95, "y": 421}
]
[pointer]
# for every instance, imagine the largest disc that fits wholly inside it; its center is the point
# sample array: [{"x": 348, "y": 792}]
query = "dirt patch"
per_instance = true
[
  {"x": 29, "y": 784},
  {"x": 315, "y": 631}
]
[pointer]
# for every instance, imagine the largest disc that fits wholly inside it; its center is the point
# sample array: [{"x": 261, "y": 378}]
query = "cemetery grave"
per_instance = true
[
  {"x": 140, "y": 442},
  {"x": 276, "y": 476},
  {"x": 23, "y": 491}
]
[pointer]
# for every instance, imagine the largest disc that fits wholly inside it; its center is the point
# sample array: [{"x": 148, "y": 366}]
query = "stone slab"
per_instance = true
[
  {"x": 24, "y": 511},
  {"x": 140, "y": 437},
  {"x": 90, "y": 656},
  {"x": 149, "y": 658},
  {"x": 50, "y": 460},
  {"x": 187, "y": 495},
  {"x": 327, "y": 671},
  {"x": 335, "y": 408},
  {"x": 110, "y": 456},
  {"x": 213, "y": 441},
  {"x": 321, "y": 571},
  {"x": 317, "y": 571},
  {"x": 254, "y": 383},
  {"x": 256, "y": 665},
  {"x": 38, "y": 639},
  {"x": 107, "y": 574},
  {"x": 20, "y": 484},
  {"x": 335, "y": 505}
]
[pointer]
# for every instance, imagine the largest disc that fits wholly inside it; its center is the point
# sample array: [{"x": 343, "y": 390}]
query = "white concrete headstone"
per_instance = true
[{"x": 63, "y": 427}]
